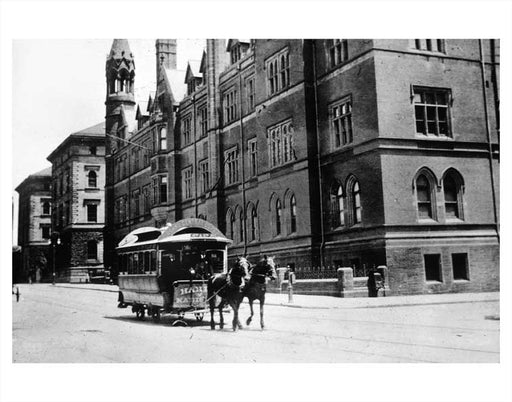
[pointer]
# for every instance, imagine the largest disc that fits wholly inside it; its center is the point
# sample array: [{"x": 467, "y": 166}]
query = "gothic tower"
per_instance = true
[
  {"x": 120, "y": 75},
  {"x": 165, "y": 55}
]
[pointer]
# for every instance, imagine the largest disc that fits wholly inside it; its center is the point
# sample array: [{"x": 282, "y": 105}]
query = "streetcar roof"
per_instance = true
[{"x": 191, "y": 230}]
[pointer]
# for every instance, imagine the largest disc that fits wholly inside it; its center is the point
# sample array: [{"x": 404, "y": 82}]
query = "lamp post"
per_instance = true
[{"x": 54, "y": 242}]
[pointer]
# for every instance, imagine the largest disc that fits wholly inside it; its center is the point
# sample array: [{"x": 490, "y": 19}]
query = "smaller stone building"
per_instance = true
[
  {"x": 34, "y": 224},
  {"x": 78, "y": 218}
]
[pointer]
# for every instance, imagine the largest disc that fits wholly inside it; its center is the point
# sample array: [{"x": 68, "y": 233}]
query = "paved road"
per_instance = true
[{"x": 56, "y": 324}]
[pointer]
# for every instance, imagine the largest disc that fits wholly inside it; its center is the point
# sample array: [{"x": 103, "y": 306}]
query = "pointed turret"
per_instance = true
[{"x": 120, "y": 75}]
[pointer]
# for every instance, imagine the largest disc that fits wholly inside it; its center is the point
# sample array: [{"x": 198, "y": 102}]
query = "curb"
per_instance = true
[{"x": 350, "y": 306}]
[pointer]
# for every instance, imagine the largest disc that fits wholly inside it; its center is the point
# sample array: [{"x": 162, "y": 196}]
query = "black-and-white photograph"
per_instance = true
[{"x": 206, "y": 200}]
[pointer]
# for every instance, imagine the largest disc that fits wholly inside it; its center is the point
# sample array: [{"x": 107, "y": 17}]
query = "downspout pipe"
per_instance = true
[
  {"x": 195, "y": 153},
  {"x": 242, "y": 158},
  {"x": 320, "y": 183},
  {"x": 488, "y": 131}
]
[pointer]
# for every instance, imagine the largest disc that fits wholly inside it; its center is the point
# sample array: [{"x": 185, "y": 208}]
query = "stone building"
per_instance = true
[
  {"x": 34, "y": 226},
  {"x": 334, "y": 153},
  {"x": 78, "y": 218}
]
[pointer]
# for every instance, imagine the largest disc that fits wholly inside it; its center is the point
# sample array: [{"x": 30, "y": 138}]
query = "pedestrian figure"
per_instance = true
[
  {"x": 17, "y": 293},
  {"x": 372, "y": 283}
]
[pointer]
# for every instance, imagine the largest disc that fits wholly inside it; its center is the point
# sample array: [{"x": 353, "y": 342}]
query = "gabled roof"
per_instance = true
[
  {"x": 176, "y": 82},
  {"x": 232, "y": 42},
  {"x": 193, "y": 70},
  {"x": 202, "y": 66}
]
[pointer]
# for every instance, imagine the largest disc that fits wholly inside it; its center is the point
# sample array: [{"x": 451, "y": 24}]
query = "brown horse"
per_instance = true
[
  {"x": 229, "y": 287},
  {"x": 256, "y": 287}
]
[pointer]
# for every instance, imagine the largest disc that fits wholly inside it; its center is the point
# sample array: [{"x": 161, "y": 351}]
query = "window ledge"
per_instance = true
[
  {"x": 433, "y": 282},
  {"x": 427, "y": 221},
  {"x": 441, "y": 137},
  {"x": 461, "y": 281},
  {"x": 454, "y": 220}
]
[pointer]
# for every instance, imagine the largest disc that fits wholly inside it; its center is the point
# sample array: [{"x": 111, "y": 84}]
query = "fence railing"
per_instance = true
[{"x": 328, "y": 272}]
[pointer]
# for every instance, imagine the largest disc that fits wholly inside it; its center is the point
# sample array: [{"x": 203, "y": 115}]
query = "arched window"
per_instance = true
[
  {"x": 254, "y": 222},
  {"x": 92, "y": 178},
  {"x": 46, "y": 208},
  {"x": 293, "y": 214},
  {"x": 229, "y": 224},
  {"x": 92, "y": 250},
  {"x": 353, "y": 206},
  {"x": 241, "y": 226},
  {"x": 163, "y": 139},
  {"x": 278, "y": 217},
  {"x": 424, "y": 196},
  {"x": 452, "y": 187},
  {"x": 337, "y": 206},
  {"x": 357, "y": 202}
]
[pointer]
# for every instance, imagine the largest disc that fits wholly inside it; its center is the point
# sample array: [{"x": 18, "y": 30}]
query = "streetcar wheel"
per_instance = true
[
  {"x": 140, "y": 313},
  {"x": 181, "y": 315},
  {"x": 156, "y": 315},
  {"x": 199, "y": 316}
]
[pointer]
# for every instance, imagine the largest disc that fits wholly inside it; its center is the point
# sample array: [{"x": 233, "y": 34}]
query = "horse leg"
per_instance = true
[
  {"x": 221, "y": 307},
  {"x": 212, "y": 311},
  {"x": 248, "y": 322},
  {"x": 262, "y": 303},
  {"x": 234, "y": 307}
]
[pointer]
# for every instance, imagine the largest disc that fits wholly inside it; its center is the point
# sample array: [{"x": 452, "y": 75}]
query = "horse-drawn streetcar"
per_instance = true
[{"x": 166, "y": 270}]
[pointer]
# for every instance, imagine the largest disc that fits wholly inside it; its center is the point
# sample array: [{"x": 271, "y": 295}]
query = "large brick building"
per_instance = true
[
  {"x": 78, "y": 219},
  {"x": 34, "y": 226},
  {"x": 320, "y": 152}
]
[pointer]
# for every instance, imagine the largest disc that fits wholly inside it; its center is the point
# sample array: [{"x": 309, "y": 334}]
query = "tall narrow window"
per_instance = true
[
  {"x": 278, "y": 72},
  {"x": 293, "y": 214},
  {"x": 231, "y": 166},
  {"x": 278, "y": 217},
  {"x": 253, "y": 157},
  {"x": 338, "y": 51},
  {"x": 92, "y": 179},
  {"x": 241, "y": 226},
  {"x": 203, "y": 121},
  {"x": 423, "y": 194},
  {"x": 337, "y": 207},
  {"x": 250, "y": 93},
  {"x": 341, "y": 119},
  {"x": 92, "y": 213},
  {"x": 46, "y": 208},
  {"x": 163, "y": 189},
  {"x": 357, "y": 202},
  {"x": 254, "y": 223},
  {"x": 204, "y": 176},
  {"x": 163, "y": 139},
  {"x": 451, "y": 197},
  {"x": 92, "y": 250},
  {"x": 230, "y": 106},
  {"x": 187, "y": 183},
  {"x": 280, "y": 143}
]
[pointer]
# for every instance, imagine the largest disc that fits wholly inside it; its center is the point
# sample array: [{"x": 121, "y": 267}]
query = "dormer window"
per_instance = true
[{"x": 237, "y": 49}]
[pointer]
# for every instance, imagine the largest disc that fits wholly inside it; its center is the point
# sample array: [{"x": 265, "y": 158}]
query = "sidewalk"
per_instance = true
[{"x": 329, "y": 302}]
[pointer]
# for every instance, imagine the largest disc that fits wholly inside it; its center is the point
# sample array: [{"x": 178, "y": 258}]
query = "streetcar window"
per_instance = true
[
  {"x": 147, "y": 262},
  {"x": 153, "y": 260},
  {"x": 141, "y": 263},
  {"x": 130, "y": 263}
]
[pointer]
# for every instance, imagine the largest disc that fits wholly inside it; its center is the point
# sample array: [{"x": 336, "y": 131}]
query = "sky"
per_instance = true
[{"x": 58, "y": 88}]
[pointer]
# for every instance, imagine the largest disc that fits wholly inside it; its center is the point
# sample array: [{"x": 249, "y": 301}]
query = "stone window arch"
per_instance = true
[
  {"x": 424, "y": 186},
  {"x": 230, "y": 224},
  {"x": 453, "y": 191},
  {"x": 92, "y": 179},
  {"x": 337, "y": 205},
  {"x": 354, "y": 207}
]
